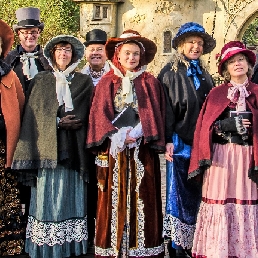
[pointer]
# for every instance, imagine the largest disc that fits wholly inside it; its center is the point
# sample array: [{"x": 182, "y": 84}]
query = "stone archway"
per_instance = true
[{"x": 239, "y": 18}]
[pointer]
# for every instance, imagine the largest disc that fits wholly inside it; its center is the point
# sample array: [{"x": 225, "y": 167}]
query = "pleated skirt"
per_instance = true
[{"x": 227, "y": 224}]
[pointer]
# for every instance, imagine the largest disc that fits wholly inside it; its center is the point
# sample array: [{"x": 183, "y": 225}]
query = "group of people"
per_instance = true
[{"x": 79, "y": 150}]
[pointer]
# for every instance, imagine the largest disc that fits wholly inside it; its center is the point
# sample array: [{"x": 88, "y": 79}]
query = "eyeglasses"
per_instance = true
[
  {"x": 66, "y": 50},
  {"x": 97, "y": 49},
  {"x": 27, "y": 33}
]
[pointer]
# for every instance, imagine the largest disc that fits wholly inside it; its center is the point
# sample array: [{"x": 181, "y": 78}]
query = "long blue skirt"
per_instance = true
[
  {"x": 182, "y": 198},
  {"x": 57, "y": 223}
]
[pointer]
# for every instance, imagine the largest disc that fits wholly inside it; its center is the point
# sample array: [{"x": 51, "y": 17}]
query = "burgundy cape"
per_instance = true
[
  {"x": 151, "y": 106},
  {"x": 214, "y": 105}
]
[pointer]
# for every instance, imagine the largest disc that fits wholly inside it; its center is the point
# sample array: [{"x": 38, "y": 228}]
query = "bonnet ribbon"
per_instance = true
[
  {"x": 192, "y": 70},
  {"x": 237, "y": 94},
  {"x": 28, "y": 64},
  {"x": 62, "y": 87},
  {"x": 127, "y": 90}
]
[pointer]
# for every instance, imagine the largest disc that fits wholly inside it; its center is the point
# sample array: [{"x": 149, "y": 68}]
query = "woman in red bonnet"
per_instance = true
[
  {"x": 225, "y": 159},
  {"x": 12, "y": 224},
  {"x": 126, "y": 129}
]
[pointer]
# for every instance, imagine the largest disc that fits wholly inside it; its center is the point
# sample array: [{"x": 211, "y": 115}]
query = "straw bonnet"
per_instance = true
[
  {"x": 132, "y": 36},
  {"x": 28, "y": 17},
  {"x": 7, "y": 36},
  {"x": 232, "y": 48},
  {"x": 194, "y": 29}
]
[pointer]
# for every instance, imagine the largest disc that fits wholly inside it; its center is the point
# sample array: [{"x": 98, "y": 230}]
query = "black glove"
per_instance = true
[
  {"x": 70, "y": 123},
  {"x": 228, "y": 125}
]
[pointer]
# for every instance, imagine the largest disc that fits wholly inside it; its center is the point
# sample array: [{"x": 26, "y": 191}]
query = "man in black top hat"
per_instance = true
[
  {"x": 96, "y": 67},
  {"x": 97, "y": 64},
  {"x": 27, "y": 59}
]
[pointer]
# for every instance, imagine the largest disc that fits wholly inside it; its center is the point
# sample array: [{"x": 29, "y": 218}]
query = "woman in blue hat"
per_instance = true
[{"x": 186, "y": 83}]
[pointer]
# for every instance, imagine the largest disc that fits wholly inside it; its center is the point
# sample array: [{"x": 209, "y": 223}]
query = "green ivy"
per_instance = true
[
  {"x": 249, "y": 36},
  {"x": 59, "y": 16}
]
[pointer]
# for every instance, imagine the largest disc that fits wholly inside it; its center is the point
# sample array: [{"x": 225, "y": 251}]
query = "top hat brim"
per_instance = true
[
  {"x": 76, "y": 43},
  {"x": 209, "y": 41},
  {"x": 250, "y": 54},
  {"x": 150, "y": 47},
  {"x": 7, "y": 37},
  {"x": 86, "y": 44},
  {"x": 17, "y": 27}
]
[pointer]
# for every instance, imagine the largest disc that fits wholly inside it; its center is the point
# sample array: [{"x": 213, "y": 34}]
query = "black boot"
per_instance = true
[{"x": 171, "y": 250}]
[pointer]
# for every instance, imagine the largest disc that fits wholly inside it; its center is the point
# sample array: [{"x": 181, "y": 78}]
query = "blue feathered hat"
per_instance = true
[{"x": 194, "y": 29}]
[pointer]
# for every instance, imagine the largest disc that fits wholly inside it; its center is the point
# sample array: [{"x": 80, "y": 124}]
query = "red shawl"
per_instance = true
[
  {"x": 12, "y": 101},
  {"x": 214, "y": 105},
  {"x": 151, "y": 106}
]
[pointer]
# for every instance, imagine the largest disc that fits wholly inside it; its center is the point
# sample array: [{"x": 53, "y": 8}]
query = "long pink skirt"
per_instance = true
[{"x": 227, "y": 223}]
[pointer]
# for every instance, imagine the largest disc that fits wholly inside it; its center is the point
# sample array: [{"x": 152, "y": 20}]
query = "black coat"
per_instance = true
[
  {"x": 13, "y": 59},
  {"x": 183, "y": 101}
]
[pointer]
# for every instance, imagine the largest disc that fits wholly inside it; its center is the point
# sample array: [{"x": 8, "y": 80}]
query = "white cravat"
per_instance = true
[
  {"x": 28, "y": 64},
  {"x": 63, "y": 92},
  {"x": 126, "y": 81}
]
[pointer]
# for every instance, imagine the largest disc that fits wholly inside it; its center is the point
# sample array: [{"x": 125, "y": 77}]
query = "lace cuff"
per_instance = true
[{"x": 118, "y": 141}]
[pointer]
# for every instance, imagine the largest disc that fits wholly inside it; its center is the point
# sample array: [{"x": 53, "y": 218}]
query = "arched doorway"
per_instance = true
[{"x": 238, "y": 20}]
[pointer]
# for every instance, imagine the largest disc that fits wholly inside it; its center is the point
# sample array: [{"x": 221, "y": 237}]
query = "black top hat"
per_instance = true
[
  {"x": 28, "y": 17},
  {"x": 95, "y": 36}
]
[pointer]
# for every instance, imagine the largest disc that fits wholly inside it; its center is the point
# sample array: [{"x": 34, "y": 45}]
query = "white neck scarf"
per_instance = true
[
  {"x": 243, "y": 93},
  {"x": 63, "y": 92},
  {"x": 28, "y": 64},
  {"x": 127, "y": 81}
]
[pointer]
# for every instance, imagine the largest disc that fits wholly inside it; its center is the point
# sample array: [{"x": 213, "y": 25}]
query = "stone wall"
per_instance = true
[{"x": 225, "y": 19}]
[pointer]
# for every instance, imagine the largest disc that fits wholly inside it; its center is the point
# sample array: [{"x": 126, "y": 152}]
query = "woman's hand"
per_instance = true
[
  {"x": 246, "y": 122},
  {"x": 128, "y": 138},
  {"x": 169, "y": 152},
  {"x": 69, "y": 123}
]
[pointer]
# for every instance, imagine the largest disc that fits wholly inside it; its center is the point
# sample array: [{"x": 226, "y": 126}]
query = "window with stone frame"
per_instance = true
[
  {"x": 101, "y": 12},
  {"x": 167, "y": 41}
]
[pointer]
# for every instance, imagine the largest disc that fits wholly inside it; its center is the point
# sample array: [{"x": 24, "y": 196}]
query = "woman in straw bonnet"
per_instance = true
[
  {"x": 126, "y": 131},
  {"x": 225, "y": 160},
  {"x": 187, "y": 83},
  {"x": 52, "y": 140},
  {"x": 12, "y": 225}
]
